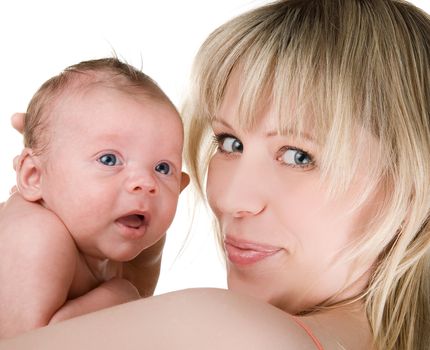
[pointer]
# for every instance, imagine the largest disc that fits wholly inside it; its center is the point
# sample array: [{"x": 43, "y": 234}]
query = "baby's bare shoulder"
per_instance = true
[
  {"x": 18, "y": 211},
  {"x": 30, "y": 232},
  {"x": 22, "y": 219},
  {"x": 37, "y": 265}
]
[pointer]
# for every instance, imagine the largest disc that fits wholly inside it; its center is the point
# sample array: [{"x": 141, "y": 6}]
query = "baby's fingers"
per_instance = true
[
  {"x": 15, "y": 162},
  {"x": 17, "y": 121}
]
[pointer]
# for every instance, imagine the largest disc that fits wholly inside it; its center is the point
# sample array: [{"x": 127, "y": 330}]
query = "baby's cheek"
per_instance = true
[{"x": 167, "y": 210}]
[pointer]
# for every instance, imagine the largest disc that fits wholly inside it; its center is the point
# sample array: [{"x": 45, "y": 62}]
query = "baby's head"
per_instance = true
[
  {"x": 108, "y": 72},
  {"x": 104, "y": 153}
]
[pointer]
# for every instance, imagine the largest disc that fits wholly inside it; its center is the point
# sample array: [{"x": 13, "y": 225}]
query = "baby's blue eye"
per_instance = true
[
  {"x": 296, "y": 158},
  {"x": 229, "y": 144},
  {"x": 163, "y": 168},
  {"x": 109, "y": 159}
]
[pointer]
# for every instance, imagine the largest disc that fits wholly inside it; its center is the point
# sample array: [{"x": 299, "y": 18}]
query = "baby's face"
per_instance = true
[{"x": 113, "y": 170}]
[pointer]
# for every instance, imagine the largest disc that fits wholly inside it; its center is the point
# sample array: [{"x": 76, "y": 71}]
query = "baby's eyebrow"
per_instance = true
[{"x": 107, "y": 136}]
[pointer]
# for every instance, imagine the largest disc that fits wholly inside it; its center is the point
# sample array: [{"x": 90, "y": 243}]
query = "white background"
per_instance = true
[{"x": 40, "y": 38}]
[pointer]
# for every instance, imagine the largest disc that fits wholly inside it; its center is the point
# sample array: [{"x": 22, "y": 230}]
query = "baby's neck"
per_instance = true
[{"x": 103, "y": 269}]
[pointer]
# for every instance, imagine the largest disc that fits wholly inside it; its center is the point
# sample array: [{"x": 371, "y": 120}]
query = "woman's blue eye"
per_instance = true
[
  {"x": 163, "y": 168},
  {"x": 229, "y": 144},
  {"x": 296, "y": 158},
  {"x": 109, "y": 159}
]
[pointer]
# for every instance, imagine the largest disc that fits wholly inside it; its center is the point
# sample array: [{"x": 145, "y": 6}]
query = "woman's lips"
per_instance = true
[{"x": 245, "y": 253}]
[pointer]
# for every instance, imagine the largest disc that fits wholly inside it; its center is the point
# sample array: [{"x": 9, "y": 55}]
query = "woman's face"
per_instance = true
[{"x": 282, "y": 234}]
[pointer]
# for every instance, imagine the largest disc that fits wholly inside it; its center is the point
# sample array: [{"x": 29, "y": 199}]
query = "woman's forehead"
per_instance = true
[
  {"x": 233, "y": 109},
  {"x": 335, "y": 137}
]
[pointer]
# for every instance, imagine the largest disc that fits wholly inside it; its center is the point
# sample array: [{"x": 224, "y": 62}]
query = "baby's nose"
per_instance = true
[{"x": 143, "y": 183}]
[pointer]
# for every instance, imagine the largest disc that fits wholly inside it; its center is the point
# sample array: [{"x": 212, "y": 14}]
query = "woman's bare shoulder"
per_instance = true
[
  {"x": 187, "y": 319},
  {"x": 236, "y": 321},
  {"x": 260, "y": 325}
]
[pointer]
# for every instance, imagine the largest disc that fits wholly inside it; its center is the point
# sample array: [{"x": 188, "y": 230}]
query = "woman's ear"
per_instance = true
[{"x": 29, "y": 175}]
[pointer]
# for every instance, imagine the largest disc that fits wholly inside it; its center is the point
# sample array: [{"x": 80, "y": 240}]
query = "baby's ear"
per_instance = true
[
  {"x": 29, "y": 175},
  {"x": 185, "y": 180}
]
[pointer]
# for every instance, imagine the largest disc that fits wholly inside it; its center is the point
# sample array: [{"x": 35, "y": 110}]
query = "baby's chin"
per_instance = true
[
  {"x": 122, "y": 253},
  {"x": 127, "y": 255}
]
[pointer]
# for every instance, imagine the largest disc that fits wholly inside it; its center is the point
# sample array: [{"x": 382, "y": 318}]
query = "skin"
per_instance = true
[
  {"x": 194, "y": 319},
  {"x": 90, "y": 169},
  {"x": 296, "y": 273},
  {"x": 267, "y": 193}
]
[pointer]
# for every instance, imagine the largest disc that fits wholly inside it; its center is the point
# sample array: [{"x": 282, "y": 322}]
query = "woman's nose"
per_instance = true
[
  {"x": 237, "y": 189},
  {"x": 142, "y": 183}
]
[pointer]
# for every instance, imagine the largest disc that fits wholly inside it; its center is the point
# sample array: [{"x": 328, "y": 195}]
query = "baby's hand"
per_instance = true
[
  {"x": 111, "y": 293},
  {"x": 120, "y": 290},
  {"x": 17, "y": 122}
]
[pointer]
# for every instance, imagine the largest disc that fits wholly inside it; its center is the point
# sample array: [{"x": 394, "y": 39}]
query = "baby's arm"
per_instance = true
[
  {"x": 144, "y": 270},
  {"x": 37, "y": 264},
  {"x": 113, "y": 292},
  {"x": 38, "y": 267}
]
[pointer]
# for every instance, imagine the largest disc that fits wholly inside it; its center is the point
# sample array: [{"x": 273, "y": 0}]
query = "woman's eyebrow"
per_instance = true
[
  {"x": 273, "y": 133},
  {"x": 222, "y": 121},
  {"x": 289, "y": 132}
]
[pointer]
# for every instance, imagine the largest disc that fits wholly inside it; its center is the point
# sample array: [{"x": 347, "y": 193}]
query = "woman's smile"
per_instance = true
[{"x": 245, "y": 253}]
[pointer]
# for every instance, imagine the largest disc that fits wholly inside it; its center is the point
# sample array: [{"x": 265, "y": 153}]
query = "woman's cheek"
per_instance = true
[
  {"x": 210, "y": 183},
  {"x": 217, "y": 179}
]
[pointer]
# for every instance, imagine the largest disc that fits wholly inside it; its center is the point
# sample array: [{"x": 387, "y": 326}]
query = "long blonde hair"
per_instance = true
[{"x": 351, "y": 63}]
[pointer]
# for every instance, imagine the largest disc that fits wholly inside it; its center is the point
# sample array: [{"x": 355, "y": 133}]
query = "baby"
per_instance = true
[{"x": 98, "y": 184}]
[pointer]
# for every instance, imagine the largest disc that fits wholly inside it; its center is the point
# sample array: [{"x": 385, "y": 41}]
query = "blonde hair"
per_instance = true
[
  {"x": 107, "y": 71},
  {"x": 352, "y": 65}
]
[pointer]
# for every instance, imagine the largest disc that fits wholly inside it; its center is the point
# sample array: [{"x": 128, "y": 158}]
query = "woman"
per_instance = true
[{"x": 317, "y": 173}]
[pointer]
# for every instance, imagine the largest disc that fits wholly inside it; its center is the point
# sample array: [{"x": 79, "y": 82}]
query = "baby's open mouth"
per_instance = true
[{"x": 133, "y": 221}]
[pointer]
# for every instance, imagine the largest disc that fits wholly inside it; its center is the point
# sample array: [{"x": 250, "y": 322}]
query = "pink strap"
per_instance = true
[{"x": 309, "y": 332}]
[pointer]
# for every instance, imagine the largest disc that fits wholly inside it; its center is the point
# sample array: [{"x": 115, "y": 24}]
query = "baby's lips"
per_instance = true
[{"x": 134, "y": 220}]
